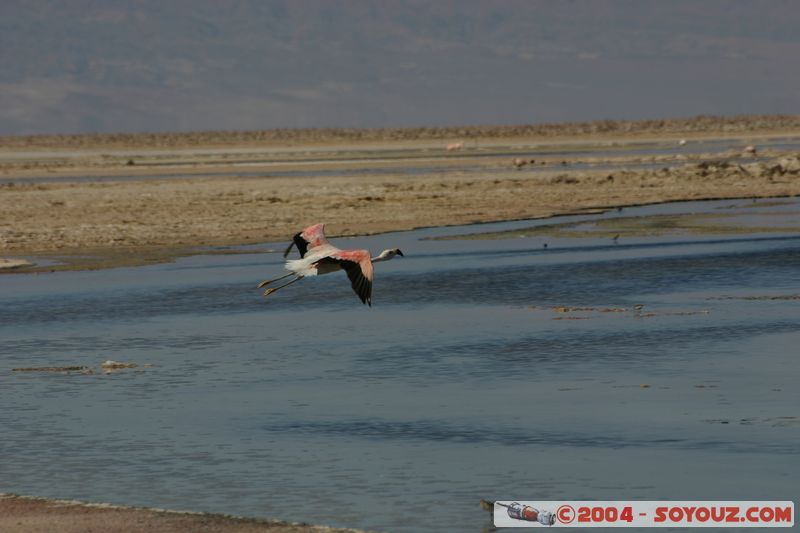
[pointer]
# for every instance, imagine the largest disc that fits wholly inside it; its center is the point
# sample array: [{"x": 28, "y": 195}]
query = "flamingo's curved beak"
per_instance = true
[{"x": 400, "y": 253}]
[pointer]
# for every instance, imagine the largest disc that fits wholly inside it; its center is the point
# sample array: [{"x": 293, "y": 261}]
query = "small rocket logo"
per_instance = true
[{"x": 528, "y": 514}]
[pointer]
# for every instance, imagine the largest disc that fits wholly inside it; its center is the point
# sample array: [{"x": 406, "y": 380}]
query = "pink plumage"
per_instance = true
[
  {"x": 318, "y": 257},
  {"x": 315, "y": 235}
]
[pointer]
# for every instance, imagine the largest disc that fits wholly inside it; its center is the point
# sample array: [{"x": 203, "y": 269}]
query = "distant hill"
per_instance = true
[{"x": 179, "y": 65}]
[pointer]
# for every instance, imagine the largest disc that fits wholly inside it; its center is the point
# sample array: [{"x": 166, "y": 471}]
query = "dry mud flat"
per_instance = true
[
  {"x": 94, "y": 201},
  {"x": 19, "y": 514}
]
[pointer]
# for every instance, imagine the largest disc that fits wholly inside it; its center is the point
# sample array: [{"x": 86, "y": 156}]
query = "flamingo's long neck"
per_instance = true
[{"x": 384, "y": 256}]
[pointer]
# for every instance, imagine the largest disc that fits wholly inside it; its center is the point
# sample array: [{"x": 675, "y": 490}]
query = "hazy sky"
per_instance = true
[{"x": 176, "y": 65}]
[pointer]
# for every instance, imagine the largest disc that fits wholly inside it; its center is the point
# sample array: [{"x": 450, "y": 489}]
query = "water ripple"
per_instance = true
[{"x": 438, "y": 431}]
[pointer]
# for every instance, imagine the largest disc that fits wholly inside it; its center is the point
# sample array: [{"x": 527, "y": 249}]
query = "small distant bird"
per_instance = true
[
  {"x": 455, "y": 147},
  {"x": 519, "y": 163},
  {"x": 318, "y": 256},
  {"x": 615, "y": 238}
]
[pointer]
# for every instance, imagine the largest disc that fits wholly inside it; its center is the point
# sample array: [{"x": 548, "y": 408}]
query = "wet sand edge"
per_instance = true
[{"x": 27, "y": 514}]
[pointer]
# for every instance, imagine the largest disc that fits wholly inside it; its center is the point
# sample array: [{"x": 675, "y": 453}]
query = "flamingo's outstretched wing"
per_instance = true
[
  {"x": 358, "y": 266},
  {"x": 308, "y": 239}
]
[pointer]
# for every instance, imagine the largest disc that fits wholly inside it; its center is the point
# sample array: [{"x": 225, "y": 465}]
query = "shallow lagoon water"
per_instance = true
[{"x": 462, "y": 382}]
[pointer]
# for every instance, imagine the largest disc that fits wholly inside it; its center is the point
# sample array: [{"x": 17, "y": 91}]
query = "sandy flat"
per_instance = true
[
  {"x": 10, "y": 264},
  {"x": 93, "y": 204}
]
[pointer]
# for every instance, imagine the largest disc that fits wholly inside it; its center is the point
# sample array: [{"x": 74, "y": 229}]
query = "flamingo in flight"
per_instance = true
[{"x": 318, "y": 256}]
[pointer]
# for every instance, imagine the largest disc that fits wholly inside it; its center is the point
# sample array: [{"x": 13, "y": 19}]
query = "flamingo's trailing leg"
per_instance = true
[
  {"x": 270, "y": 291},
  {"x": 265, "y": 283}
]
